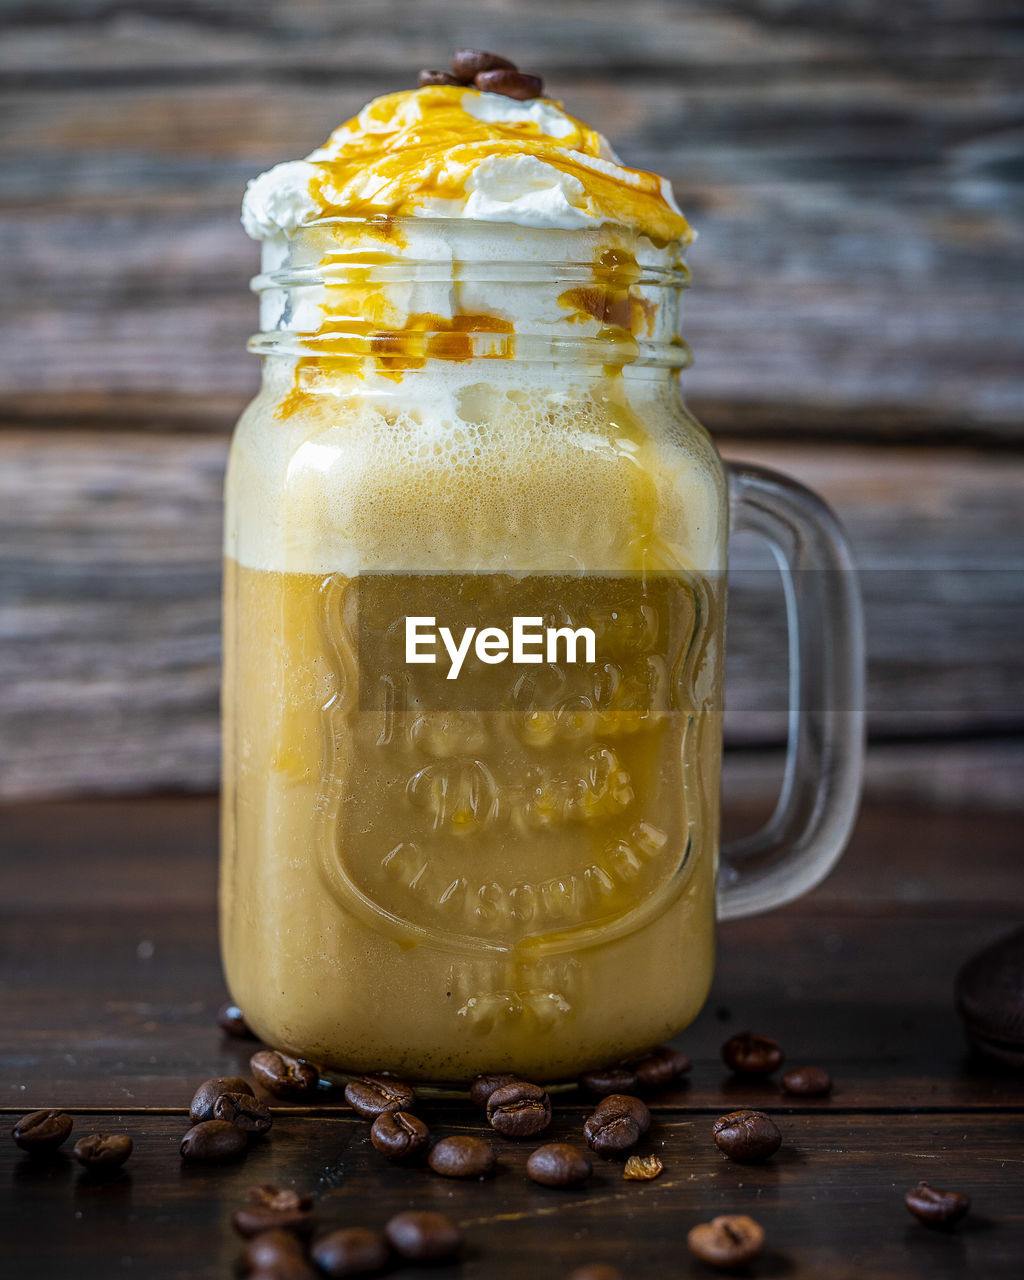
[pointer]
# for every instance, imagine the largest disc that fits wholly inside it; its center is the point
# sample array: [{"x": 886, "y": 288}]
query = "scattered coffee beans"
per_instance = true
[
  {"x": 642, "y": 1168},
  {"x": 399, "y": 1135},
  {"x": 283, "y": 1075},
  {"x": 428, "y": 77},
  {"x": 422, "y": 1236},
  {"x": 660, "y": 1067},
  {"x": 748, "y": 1137},
  {"x": 807, "y": 1082},
  {"x": 42, "y": 1132},
  {"x": 513, "y": 84},
  {"x": 352, "y": 1251},
  {"x": 558, "y": 1165},
  {"x": 372, "y": 1096},
  {"x": 254, "y": 1219},
  {"x": 595, "y": 1271},
  {"x": 989, "y": 993},
  {"x": 467, "y": 64},
  {"x": 749, "y": 1054},
  {"x": 103, "y": 1152},
  {"x": 463, "y": 1156},
  {"x": 727, "y": 1242},
  {"x": 519, "y": 1109},
  {"x": 284, "y": 1199},
  {"x": 213, "y": 1141},
  {"x": 231, "y": 1020},
  {"x": 936, "y": 1208},
  {"x": 243, "y": 1110},
  {"x": 606, "y": 1080},
  {"x": 275, "y": 1251},
  {"x": 617, "y": 1125},
  {"x": 209, "y": 1091},
  {"x": 483, "y": 1086}
]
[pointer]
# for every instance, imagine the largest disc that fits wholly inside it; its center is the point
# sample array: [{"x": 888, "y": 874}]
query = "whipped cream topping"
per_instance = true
[{"x": 450, "y": 152}]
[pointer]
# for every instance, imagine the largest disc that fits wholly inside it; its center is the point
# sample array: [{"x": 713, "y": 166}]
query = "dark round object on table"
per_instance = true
[
  {"x": 205, "y": 1097},
  {"x": 747, "y": 1137},
  {"x": 213, "y": 1141},
  {"x": 750, "y": 1054},
  {"x": 284, "y": 1076},
  {"x": 373, "y": 1096},
  {"x": 352, "y": 1251},
  {"x": 463, "y": 1156},
  {"x": 103, "y": 1152},
  {"x": 484, "y": 1085},
  {"x": 519, "y": 1109},
  {"x": 40, "y": 1133},
  {"x": 423, "y": 1236},
  {"x": 989, "y": 991},
  {"x": 936, "y": 1208},
  {"x": 559, "y": 1165},
  {"x": 807, "y": 1082}
]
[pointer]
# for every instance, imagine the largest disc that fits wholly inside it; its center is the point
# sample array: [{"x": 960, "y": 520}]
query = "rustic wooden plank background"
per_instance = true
[{"x": 854, "y": 171}]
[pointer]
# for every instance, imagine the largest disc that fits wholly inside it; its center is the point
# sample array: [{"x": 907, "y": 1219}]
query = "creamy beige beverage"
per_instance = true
[{"x": 469, "y": 412}]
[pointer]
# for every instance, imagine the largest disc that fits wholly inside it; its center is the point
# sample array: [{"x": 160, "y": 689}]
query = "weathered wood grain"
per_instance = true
[
  {"x": 852, "y": 173},
  {"x": 109, "y": 582}
]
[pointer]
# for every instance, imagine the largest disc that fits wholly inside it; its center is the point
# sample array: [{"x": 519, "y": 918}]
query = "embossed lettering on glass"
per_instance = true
[{"x": 470, "y": 414}]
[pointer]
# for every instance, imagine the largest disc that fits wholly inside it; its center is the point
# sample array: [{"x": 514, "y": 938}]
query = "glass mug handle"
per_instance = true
[{"x": 801, "y": 842}]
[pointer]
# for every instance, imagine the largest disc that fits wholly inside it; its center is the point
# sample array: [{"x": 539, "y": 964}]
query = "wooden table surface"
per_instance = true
[{"x": 111, "y": 980}]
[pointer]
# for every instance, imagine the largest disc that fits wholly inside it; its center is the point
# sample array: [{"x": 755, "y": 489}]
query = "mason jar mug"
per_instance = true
[{"x": 474, "y": 636}]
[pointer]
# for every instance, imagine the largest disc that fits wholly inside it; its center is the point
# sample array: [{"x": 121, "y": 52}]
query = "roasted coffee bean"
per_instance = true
[
  {"x": 273, "y": 1251},
  {"x": 283, "y": 1199},
  {"x": 428, "y": 77},
  {"x": 511, "y": 84},
  {"x": 103, "y": 1152},
  {"x": 483, "y": 1086},
  {"x": 283, "y": 1075},
  {"x": 231, "y": 1020},
  {"x": 208, "y": 1093},
  {"x": 595, "y": 1271},
  {"x": 243, "y": 1110},
  {"x": 807, "y": 1082},
  {"x": 42, "y": 1132},
  {"x": 463, "y": 1156},
  {"x": 559, "y": 1165},
  {"x": 624, "y": 1104},
  {"x": 617, "y": 1125},
  {"x": 727, "y": 1242},
  {"x": 659, "y": 1068},
  {"x": 399, "y": 1135},
  {"x": 606, "y": 1080},
  {"x": 422, "y": 1236},
  {"x": 747, "y": 1137},
  {"x": 352, "y": 1251},
  {"x": 287, "y": 1267},
  {"x": 372, "y": 1096},
  {"x": 519, "y": 1109},
  {"x": 253, "y": 1219},
  {"x": 936, "y": 1208},
  {"x": 989, "y": 993},
  {"x": 212, "y": 1141},
  {"x": 749, "y": 1054},
  {"x": 468, "y": 63}
]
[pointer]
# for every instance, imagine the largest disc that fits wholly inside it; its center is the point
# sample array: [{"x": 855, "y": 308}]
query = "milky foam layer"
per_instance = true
[
  {"x": 459, "y": 474},
  {"x": 450, "y": 152}
]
